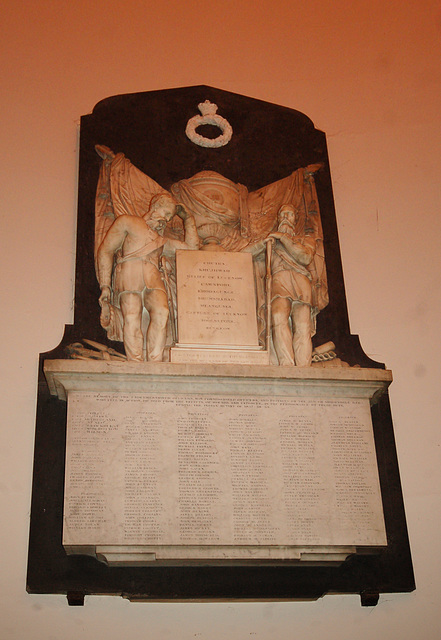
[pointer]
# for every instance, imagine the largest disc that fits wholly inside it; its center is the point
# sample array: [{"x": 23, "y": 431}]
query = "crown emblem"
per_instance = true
[{"x": 207, "y": 108}]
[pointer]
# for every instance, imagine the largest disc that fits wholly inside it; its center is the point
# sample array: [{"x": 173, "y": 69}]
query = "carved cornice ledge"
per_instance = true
[{"x": 65, "y": 376}]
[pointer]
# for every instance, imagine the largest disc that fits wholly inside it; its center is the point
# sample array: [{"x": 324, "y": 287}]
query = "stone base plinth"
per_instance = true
[{"x": 136, "y": 556}]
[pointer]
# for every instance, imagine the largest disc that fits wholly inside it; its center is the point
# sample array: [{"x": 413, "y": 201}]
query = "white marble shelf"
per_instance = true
[{"x": 152, "y": 377}]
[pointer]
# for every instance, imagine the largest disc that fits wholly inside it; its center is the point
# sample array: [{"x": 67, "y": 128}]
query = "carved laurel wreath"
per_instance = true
[{"x": 209, "y": 116}]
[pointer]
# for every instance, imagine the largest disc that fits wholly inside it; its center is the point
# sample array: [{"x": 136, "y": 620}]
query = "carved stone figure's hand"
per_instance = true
[
  {"x": 105, "y": 295},
  {"x": 182, "y": 212},
  {"x": 275, "y": 235}
]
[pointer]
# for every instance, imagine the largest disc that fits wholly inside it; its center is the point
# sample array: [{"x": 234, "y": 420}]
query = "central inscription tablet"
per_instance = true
[{"x": 216, "y": 300}]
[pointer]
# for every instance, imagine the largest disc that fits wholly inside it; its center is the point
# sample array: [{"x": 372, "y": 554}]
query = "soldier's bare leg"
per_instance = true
[
  {"x": 156, "y": 303},
  {"x": 131, "y": 309},
  {"x": 282, "y": 334},
  {"x": 302, "y": 343}
]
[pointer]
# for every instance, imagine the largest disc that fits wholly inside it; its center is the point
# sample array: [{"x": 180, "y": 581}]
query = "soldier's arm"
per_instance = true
[
  {"x": 191, "y": 238},
  {"x": 111, "y": 243},
  {"x": 302, "y": 249}
]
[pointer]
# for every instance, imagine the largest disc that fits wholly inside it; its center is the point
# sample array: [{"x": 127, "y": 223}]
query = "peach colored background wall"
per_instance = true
[{"x": 368, "y": 73}]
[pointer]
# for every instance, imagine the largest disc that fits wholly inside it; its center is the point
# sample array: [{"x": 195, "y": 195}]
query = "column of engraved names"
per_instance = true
[
  {"x": 303, "y": 487},
  {"x": 199, "y": 492},
  {"x": 253, "y": 521},
  {"x": 144, "y": 509},
  {"x": 354, "y": 468},
  {"x": 90, "y": 435}
]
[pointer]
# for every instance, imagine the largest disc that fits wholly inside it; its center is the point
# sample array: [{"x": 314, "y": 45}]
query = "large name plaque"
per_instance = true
[{"x": 220, "y": 471}]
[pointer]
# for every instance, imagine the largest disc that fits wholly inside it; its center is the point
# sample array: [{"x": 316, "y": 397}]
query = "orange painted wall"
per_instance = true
[{"x": 369, "y": 74}]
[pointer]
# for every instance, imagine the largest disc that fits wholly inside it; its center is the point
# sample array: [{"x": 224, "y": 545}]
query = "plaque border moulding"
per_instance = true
[{"x": 260, "y": 144}]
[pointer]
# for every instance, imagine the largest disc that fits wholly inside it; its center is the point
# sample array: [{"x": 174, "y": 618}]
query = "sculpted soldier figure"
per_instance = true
[
  {"x": 132, "y": 234},
  {"x": 292, "y": 305},
  {"x": 135, "y": 244}
]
